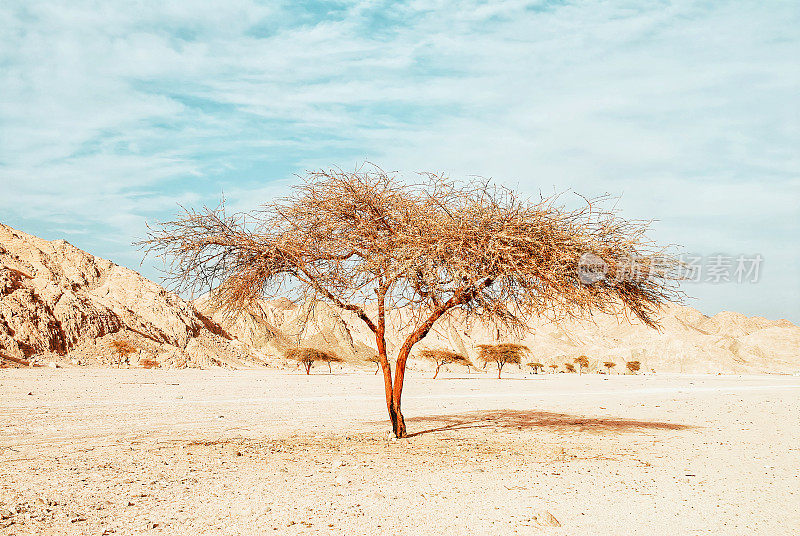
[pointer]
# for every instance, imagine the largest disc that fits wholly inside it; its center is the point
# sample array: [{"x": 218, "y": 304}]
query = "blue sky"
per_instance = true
[{"x": 111, "y": 113}]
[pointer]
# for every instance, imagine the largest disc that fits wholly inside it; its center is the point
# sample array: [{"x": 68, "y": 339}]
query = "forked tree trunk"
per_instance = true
[
  {"x": 437, "y": 371},
  {"x": 499, "y": 369},
  {"x": 307, "y": 366}
]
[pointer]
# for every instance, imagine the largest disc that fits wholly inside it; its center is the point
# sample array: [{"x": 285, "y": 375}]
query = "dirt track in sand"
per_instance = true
[{"x": 255, "y": 452}]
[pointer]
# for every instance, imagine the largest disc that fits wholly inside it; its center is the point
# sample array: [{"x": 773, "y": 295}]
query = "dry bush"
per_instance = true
[
  {"x": 633, "y": 366},
  {"x": 570, "y": 367},
  {"x": 307, "y": 356},
  {"x": 501, "y": 354},
  {"x": 554, "y": 367},
  {"x": 123, "y": 350},
  {"x": 443, "y": 357},
  {"x": 430, "y": 248},
  {"x": 609, "y": 365},
  {"x": 582, "y": 362}
]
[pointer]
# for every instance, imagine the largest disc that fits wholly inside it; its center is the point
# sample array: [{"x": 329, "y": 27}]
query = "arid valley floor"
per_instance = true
[{"x": 264, "y": 452}]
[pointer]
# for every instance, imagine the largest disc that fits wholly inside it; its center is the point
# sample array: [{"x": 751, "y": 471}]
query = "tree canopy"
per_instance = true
[{"x": 442, "y": 357}]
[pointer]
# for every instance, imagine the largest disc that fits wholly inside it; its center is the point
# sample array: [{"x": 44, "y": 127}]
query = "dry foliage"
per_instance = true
[
  {"x": 501, "y": 354},
  {"x": 633, "y": 366},
  {"x": 367, "y": 237},
  {"x": 609, "y": 365},
  {"x": 307, "y": 356},
  {"x": 554, "y": 367},
  {"x": 570, "y": 367},
  {"x": 443, "y": 357}
]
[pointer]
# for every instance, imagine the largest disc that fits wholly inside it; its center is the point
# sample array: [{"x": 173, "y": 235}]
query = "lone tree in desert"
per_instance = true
[
  {"x": 609, "y": 365},
  {"x": 501, "y": 354},
  {"x": 570, "y": 367},
  {"x": 307, "y": 356},
  {"x": 443, "y": 357},
  {"x": 554, "y": 367},
  {"x": 369, "y": 243},
  {"x": 633, "y": 366}
]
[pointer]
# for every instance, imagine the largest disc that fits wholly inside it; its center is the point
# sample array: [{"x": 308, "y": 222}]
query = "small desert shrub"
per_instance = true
[
  {"x": 633, "y": 366},
  {"x": 570, "y": 367},
  {"x": 307, "y": 356},
  {"x": 501, "y": 354},
  {"x": 148, "y": 363},
  {"x": 122, "y": 349},
  {"x": 554, "y": 367},
  {"x": 609, "y": 365},
  {"x": 443, "y": 357}
]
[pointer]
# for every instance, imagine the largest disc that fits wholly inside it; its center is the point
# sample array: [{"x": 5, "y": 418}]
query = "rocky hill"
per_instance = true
[{"x": 57, "y": 300}]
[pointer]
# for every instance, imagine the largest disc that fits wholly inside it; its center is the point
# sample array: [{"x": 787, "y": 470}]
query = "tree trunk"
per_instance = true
[
  {"x": 329, "y": 368},
  {"x": 437, "y": 371},
  {"x": 392, "y": 405},
  {"x": 308, "y": 367}
]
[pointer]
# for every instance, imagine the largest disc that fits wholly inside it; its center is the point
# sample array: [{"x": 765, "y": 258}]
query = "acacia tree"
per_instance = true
[
  {"x": 307, "y": 356},
  {"x": 123, "y": 349},
  {"x": 501, "y": 354},
  {"x": 570, "y": 367},
  {"x": 554, "y": 367},
  {"x": 536, "y": 366},
  {"x": 609, "y": 365},
  {"x": 582, "y": 362},
  {"x": 443, "y": 357},
  {"x": 369, "y": 243},
  {"x": 633, "y": 366}
]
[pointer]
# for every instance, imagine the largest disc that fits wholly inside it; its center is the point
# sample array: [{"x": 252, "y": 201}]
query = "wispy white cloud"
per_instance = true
[{"x": 110, "y": 114}]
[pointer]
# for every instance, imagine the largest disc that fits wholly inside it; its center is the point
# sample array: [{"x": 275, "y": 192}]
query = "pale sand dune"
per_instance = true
[{"x": 265, "y": 452}]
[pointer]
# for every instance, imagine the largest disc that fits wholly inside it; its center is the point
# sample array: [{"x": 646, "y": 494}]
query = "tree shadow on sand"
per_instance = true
[{"x": 522, "y": 420}]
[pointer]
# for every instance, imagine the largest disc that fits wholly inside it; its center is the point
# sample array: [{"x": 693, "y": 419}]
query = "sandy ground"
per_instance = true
[{"x": 264, "y": 452}]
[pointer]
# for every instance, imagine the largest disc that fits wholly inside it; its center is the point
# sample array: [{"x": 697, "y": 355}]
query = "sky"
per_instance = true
[{"x": 114, "y": 113}]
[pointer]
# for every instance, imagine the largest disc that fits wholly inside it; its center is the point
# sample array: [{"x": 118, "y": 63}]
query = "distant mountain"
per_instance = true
[
  {"x": 687, "y": 342},
  {"x": 58, "y": 300}
]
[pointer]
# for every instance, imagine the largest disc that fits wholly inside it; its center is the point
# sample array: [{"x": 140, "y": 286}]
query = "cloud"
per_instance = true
[{"x": 113, "y": 114}]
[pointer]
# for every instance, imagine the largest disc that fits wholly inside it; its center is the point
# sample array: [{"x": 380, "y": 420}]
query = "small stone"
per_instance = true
[
  {"x": 546, "y": 519},
  {"x": 53, "y": 364},
  {"x": 30, "y": 394}
]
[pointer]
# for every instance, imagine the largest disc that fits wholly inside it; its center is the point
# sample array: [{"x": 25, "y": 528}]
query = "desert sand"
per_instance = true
[{"x": 100, "y": 451}]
